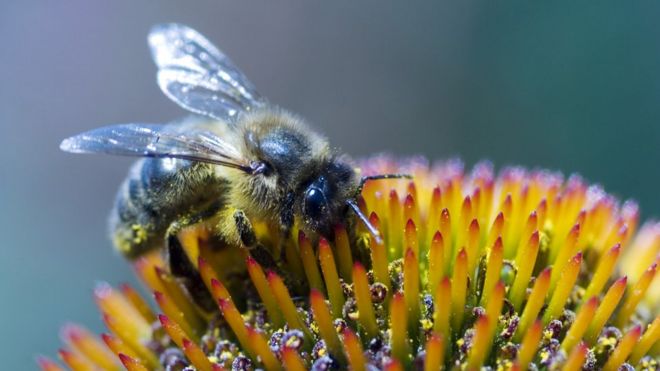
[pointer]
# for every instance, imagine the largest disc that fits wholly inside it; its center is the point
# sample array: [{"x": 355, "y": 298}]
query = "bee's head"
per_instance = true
[{"x": 323, "y": 198}]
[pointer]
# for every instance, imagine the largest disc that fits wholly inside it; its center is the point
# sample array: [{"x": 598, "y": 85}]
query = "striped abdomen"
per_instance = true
[{"x": 156, "y": 193}]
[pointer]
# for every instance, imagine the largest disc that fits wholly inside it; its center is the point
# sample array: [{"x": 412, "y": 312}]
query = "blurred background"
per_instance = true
[{"x": 574, "y": 88}]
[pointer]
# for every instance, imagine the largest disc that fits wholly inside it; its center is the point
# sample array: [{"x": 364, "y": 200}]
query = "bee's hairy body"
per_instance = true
[
  {"x": 239, "y": 160},
  {"x": 160, "y": 194}
]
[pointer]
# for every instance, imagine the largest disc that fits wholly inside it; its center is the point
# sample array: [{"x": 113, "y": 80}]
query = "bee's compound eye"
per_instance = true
[{"x": 315, "y": 203}]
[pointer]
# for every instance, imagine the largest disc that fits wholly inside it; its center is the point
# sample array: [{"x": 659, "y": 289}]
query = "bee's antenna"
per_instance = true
[{"x": 363, "y": 218}]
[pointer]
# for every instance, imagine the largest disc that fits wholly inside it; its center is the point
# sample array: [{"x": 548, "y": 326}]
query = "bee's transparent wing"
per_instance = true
[
  {"x": 199, "y": 77},
  {"x": 149, "y": 140}
]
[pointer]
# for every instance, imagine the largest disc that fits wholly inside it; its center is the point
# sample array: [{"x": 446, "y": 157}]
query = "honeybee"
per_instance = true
[{"x": 238, "y": 159}]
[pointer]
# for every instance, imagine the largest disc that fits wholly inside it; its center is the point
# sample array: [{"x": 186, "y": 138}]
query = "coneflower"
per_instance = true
[{"x": 523, "y": 270}]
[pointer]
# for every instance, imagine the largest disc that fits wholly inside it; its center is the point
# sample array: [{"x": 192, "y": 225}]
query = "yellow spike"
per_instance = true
[
  {"x": 564, "y": 287},
  {"x": 126, "y": 337},
  {"x": 603, "y": 272},
  {"x": 393, "y": 365},
  {"x": 445, "y": 230},
  {"x": 495, "y": 230},
  {"x": 464, "y": 222},
  {"x": 286, "y": 304},
  {"x": 118, "y": 307},
  {"x": 605, "y": 309},
  {"x": 292, "y": 361},
  {"x": 324, "y": 322},
  {"x": 535, "y": 302},
  {"x": 494, "y": 307},
  {"x": 309, "y": 262},
  {"x": 623, "y": 349},
  {"x": 138, "y": 302},
  {"x": 410, "y": 237},
  {"x": 173, "y": 329},
  {"x": 353, "y": 349},
  {"x": 237, "y": 325},
  {"x": 459, "y": 290},
  {"x": 650, "y": 337},
  {"x": 472, "y": 247},
  {"x": 576, "y": 358},
  {"x": 529, "y": 228},
  {"x": 411, "y": 211},
  {"x": 335, "y": 292},
  {"x": 262, "y": 349},
  {"x": 525, "y": 266},
  {"x": 293, "y": 260},
  {"x": 493, "y": 270},
  {"x": 76, "y": 361},
  {"x": 435, "y": 353},
  {"x": 411, "y": 289},
  {"x": 367, "y": 317},
  {"x": 46, "y": 364},
  {"x": 442, "y": 313},
  {"x": 145, "y": 268},
  {"x": 480, "y": 343},
  {"x": 564, "y": 255},
  {"x": 635, "y": 295},
  {"x": 263, "y": 289},
  {"x": 131, "y": 364},
  {"x": 398, "y": 327},
  {"x": 187, "y": 311},
  {"x": 433, "y": 217},
  {"x": 379, "y": 256},
  {"x": 394, "y": 222},
  {"x": 81, "y": 340},
  {"x": 436, "y": 263},
  {"x": 196, "y": 356},
  {"x": 171, "y": 310},
  {"x": 117, "y": 346},
  {"x": 580, "y": 324},
  {"x": 530, "y": 343},
  {"x": 343, "y": 250}
]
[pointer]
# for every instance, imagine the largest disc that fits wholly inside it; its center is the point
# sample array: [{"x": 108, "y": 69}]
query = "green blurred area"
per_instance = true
[{"x": 571, "y": 87}]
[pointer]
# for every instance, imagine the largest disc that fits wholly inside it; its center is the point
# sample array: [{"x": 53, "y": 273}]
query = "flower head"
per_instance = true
[{"x": 475, "y": 269}]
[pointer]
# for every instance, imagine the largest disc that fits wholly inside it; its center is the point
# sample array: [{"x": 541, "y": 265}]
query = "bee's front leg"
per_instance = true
[
  {"x": 286, "y": 221},
  {"x": 182, "y": 268},
  {"x": 249, "y": 240}
]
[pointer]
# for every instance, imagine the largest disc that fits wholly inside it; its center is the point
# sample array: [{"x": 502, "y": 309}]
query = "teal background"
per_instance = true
[{"x": 572, "y": 87}]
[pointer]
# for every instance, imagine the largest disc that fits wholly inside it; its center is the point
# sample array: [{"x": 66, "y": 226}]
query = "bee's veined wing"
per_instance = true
[
  {"x": 199, "y": 77},
  {"x": 149, "y": 140}
]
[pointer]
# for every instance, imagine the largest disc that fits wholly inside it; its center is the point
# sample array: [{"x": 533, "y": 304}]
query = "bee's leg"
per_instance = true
[
  {"x": 286, "y": 221},
  {"x": 249, "y": 240},
  {"x": 365, "y": 179},
  {"x": 183, "y": 269}
]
